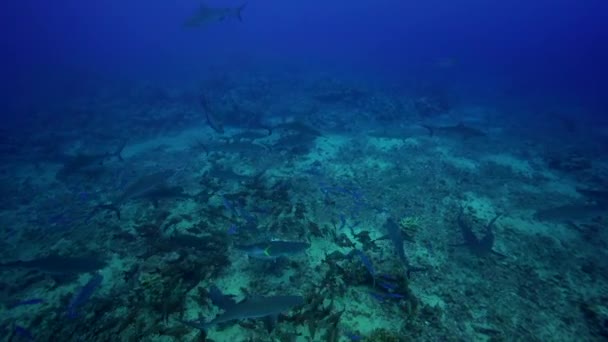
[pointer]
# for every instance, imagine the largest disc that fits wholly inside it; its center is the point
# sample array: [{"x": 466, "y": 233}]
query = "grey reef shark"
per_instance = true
[
  {"x": 207, "y": 15},
  {"x": 459, "y": 131}
]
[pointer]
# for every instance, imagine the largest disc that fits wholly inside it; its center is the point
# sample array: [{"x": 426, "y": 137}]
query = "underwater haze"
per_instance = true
[{"x": 304, "y": 170}]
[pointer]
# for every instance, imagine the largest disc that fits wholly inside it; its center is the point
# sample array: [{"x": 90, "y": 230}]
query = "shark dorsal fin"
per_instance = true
[{"x": 220, "y": 299}]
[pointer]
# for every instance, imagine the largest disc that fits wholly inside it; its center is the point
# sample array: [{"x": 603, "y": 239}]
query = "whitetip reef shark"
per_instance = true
[{"x": 252, "y": 307}]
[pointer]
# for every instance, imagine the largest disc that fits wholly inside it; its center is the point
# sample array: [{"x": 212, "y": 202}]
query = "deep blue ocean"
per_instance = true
[{"x": 271, "y": 170}]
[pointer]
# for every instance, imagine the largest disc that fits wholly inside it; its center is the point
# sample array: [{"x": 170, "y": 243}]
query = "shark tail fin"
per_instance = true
[
  {"x": 118, "y": 152},
  {"x": 411, "y": 270},
  {"x": 111, "y": 207},
  {"x": 220, "y": 299},
  {"x": 196, "y": 324},
  {"x": 239, "y": 11},
  {"x": 430, "y": 128}
]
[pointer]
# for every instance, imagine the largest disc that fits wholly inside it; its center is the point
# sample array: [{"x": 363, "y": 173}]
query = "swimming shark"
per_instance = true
[
  {"x": 82, "y": 161},
  {"x": 599, "y": 196},
  {"x": 396, "y": 236},
  {"x": 252, "y": 307},
  {"x": 458, "y": 131},
  {"x": 205, "y": 15},
  {"x": 389, "y": 133},
  {"x": 145, "y": 186},
  {"x": 59, "y": 264},
  {"x": 212, "y": 120},
  {"x": 479, "y": 247},
  {"x": 165, "y": 191},
  {"x": 571, "y": 212},
  {"x": 274, "y": 249}
]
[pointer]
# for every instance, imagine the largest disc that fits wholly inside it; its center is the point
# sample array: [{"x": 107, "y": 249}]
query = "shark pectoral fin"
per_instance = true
[
  {"x": 430, "y": 128},
  {"x": 267, "y": 252},
  {"x": 270, "y": 322},
  {"x": 239, "y": 14},
  {"x": 194, "y": 324},
  {"x": 498, "y": 253},
  {"x": 411, "y": 270}
]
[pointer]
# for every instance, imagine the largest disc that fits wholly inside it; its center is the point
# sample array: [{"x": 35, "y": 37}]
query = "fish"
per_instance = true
[
  {"x": 458, "y": 131},
  {"x": 271, "y": 250},
  {"x": 387, "y": 285},
  {"x": 297, "y": 127},
  {"x": 367, "y": 263},
  {"x": 233, "y": 229},
  {"x": 59, "y": 264},
  {"x": 32, "y": 301},
  {"x": 144, "y": 185},
  {"x": 164, "y": 191},
  {"x": 571, "y": 212},
  {"x": 212, "y": 120},
  {"x": 600, "y": 196},
  {"x": 79, "y": 162},
  {"x": 227, "y": 174},
  {"x": 252, "y": 307},
  {"x": 83, "y": 295},
  {"x": 396, "y": 238},
  {"x": 23, "y": 333},
  {"x": 250, "y": 135},
  {"x": 389, "y": 133},
  {"x": 384, "y": 296},
  {"x": 206, "y": 15},
  {"x": 246, "y": 148},
  {"x": 478, "y": 246}
]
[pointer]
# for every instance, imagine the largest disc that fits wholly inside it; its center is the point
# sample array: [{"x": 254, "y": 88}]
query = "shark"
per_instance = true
[
  {"x": 571, "y": 212},
  {"x": 82, "y": 161},
  {"x": 250, "y": 308},
  {"x": 599, "y": 196},
  {"x": 164, "y": 191},
  {"x": 389, "y": 133},
  {"x": 458, "y": 131},
  {"x": 297, "y": 127},
  {"x": 395, "y": 235},
  {"x": 479, "y": 247},
  {"x": 83, "y": 295},
  {"x": 212, "y": 120},
  {"x": 206, "y": 15},
  {"x": 59, "y": 264},
  {"x": 273, "y": 249},
  {"x": 150, "y": 185}
]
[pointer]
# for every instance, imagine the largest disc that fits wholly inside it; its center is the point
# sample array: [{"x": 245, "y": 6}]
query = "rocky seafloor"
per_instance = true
[{"x": 119, "y": 219}]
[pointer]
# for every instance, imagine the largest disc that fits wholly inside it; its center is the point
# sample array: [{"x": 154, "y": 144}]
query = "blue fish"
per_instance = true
[
  {"x": 83, "y": 196},
  {"x": 229, "y": 205},
  {"x": 23, "y": 332},
  {"x": 32, "y": 301},
  {"x": 251, "y": 220},
  {"x": 343, "y": 221},
  {"x": 353, "y": 337},
  {"x": 384, "y": 296},
  {"x": 387, "y": 285},
  {"x": 367, "y": 263},
  {"x": 233, "y": 229}
]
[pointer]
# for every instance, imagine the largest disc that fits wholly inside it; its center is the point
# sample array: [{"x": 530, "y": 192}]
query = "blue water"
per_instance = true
[{"x": 156, "y": 146}]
